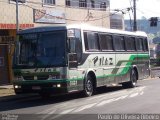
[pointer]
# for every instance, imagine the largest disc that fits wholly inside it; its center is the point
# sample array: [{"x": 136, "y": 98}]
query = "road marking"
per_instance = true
[
  {"x": 122, "y": 97},
  {"x": 67, "y": 111},
  {"x": 141, "y": 88},
  {"x": 105, "y": 102},
  {"x": 46, "y": 115},
  {"x": 142, "y": 93},
  {"x": 59, "y": 115},
  {"x": 133, "y": 95},
  {"x": 97, "y": 101},
  {"x": 84, "y": 107},
  {"x": 95, "y": 97},
  {"x": 48, "y": 111}
]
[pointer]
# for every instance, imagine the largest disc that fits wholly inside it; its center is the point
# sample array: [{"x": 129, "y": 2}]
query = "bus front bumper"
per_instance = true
[{"x": 40, "y": 86}]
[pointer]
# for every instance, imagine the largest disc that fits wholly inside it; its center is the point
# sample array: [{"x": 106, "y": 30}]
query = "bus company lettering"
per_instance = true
[{"x": 102, "y": 61}]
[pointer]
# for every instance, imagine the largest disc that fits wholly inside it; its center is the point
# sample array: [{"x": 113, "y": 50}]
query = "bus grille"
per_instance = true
[{"x": 44, "y": 77}]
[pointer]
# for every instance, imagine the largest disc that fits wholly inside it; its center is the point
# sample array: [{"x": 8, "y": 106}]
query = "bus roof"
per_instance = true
[
  {"x": 42, "y": 29},
  {"x": 80, "y": 26},
  {"x": 100, "y": 29}
]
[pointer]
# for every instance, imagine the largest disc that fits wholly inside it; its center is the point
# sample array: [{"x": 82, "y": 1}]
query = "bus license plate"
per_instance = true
[{"x": 36, "y": 87}]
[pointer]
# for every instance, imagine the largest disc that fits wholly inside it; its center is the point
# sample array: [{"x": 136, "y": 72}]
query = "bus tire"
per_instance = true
[
  {"x": 133, "y": 80},
  {"x": 88, "y": 86}
]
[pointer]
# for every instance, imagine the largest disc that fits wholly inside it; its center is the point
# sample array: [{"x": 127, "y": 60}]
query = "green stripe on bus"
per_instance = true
[
  {"x": 126, "y": 68},
  {"x": 123, "y": 72}
]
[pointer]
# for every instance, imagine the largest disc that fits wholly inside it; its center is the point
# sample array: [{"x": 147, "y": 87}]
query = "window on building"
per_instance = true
[
  {"x": 139, "y": 44},
  {"x": 130, "y": 43},
  {"x": 106, "y": 42},
  {"x": 119, "y": 43},
  {"x": 82, "y": 3},
  {"x": 103, "y": 6},
  {"x": 49, "y": 2},
  {"x": 68, "y": 3},
  {"x": 19, "y": 1},
  {"x": 91, "y": 41}
]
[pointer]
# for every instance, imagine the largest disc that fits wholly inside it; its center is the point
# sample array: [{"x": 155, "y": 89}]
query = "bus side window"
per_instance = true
[
  {"x": 72, "y": 45},
  {"x": 130, "y": 43},
  {"x": 145, "y": 44},
  {"x": 139, "y": 44},
  {"x": 75, "y": 44},
  {"x": 78, "y": 45},
  {"x": 106, "y": 42},
  {"x": 91, "y": 41},
  {"x": 119, "y": 43}
]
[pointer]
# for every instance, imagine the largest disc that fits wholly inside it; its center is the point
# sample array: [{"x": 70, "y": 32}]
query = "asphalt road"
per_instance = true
[{"x": 143, "y": 99}]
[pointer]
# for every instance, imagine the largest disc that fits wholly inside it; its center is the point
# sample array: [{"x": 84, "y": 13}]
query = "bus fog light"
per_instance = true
[{"x": 58, "y": 85}]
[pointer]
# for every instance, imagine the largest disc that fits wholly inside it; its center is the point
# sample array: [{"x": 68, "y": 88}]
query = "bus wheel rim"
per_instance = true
[
  {"x": 134, "y": 80},
  {"x": 89, "y": 87}
]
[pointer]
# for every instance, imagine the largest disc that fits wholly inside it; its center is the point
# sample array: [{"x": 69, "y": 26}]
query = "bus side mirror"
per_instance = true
[{"x": 73, "y": 63}]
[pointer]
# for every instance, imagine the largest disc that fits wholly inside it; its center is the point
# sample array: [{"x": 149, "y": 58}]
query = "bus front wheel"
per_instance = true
[{"x": 88, "y": 86}]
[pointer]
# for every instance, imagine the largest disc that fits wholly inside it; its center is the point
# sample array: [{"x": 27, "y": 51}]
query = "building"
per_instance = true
[
  {"x": 117, "y": 21},
  {"x": 34, "y": 13}
]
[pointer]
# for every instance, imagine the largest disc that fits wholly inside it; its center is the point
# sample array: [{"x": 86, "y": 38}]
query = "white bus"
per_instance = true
[{"x": 64, "y": 59}]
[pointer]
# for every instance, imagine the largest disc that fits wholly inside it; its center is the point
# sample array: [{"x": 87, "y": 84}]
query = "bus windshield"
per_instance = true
[{"x": 41, "y": 49}]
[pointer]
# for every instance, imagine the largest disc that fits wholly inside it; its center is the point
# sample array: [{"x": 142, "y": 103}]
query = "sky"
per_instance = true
[{"x": 145, "y": 8}]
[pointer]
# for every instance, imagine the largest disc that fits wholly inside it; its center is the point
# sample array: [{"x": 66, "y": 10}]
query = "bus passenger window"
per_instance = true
[
  {"x": 119, "y": 43},
  {"x": 145, "y": 44},
  {"x": 106, "y": 42},
  {"x": 91, "y": 41},
  {"x": 75, "y": 44},
  {"x": 72, "y": 45},
  {"x": 139, "y": 45},
  {"x": 130, "y": 43}
]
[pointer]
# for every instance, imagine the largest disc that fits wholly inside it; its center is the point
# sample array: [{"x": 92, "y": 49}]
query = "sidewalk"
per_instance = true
[
  {"x": 6, "y": 90},
  {"x": 7, "y": 94},
  {"x": 6, "y": 86}
]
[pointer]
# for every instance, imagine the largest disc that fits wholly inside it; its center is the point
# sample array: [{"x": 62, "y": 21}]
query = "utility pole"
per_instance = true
[
  {"x": 135, "y": 19},
  {"x": 17, "y": 19}
]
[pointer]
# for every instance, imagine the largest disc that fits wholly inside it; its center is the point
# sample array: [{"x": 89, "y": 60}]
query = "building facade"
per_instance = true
[{"x": 34, "y": 13}]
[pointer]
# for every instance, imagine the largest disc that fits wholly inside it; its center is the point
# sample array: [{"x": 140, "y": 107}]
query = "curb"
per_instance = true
[
  {"x": 151, "y": 78},
  {"x": 155, "y": 68},
  {"x": 6, "y": 87}
]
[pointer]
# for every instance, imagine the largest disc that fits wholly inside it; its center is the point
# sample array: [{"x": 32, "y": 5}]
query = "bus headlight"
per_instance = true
[
  {"x": 58, "y": 85},
  {"x": 17, "y": 86}
]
